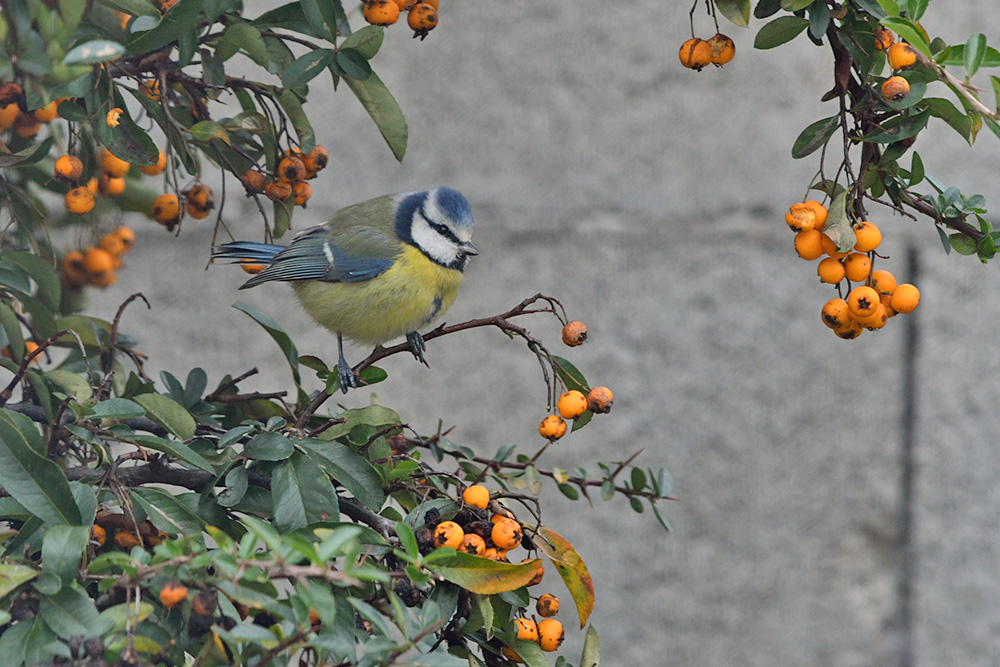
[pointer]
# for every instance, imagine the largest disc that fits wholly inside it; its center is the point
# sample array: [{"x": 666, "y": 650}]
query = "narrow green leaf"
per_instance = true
[
  {"x": 779, "y": 31},
  {"x": 353, "y": 64},
  {"x": 117, "y": 408},
  {"x": 952, "y": 115},
  {"x": 571, "y": 568},
  {"x": 306, "y": 67},
  {"x": 292, "y": 106},
  {"x": 916, "y": 8},
  {"x": 301, "y": 494},
  {"x": 274, "y": 329},
  {"x": 913, "y": 34},
  {"x": 819, "y": 19},
  {"x": 13, "y": 575},
  {"x": 177, "y": 450},
  {"x": 766, "y": 8},
  {"x": 167, "y": 512},
  {"x": 93, "y": 52},
  {"x": 795, "y": 5},
  {"x": 975, "y": 52},
  {"x": 814, "y": 136},
  {"x": 133, "y": 7},
  {"x": 591, "y": 649},
  {"x": 207, "y": 130},
  {"x": 366, "y": 41},
  {"x": 62, "y": 551},
  {"x": 384, "y": 110},
  {"x": 27, "y": 156},
  {"x": 321, "y": 17},
  {"x": 166, "y": 412},
  {"x": 570, "y": 375}
]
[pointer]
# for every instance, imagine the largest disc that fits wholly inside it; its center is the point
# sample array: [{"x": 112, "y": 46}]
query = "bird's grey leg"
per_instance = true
[
  {"x": 344, "y": 372},
  {"x": 417, "y": 345}
]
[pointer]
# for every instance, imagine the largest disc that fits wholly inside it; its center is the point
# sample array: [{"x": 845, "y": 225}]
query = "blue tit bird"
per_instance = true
[{"x": 375, "y": 271}]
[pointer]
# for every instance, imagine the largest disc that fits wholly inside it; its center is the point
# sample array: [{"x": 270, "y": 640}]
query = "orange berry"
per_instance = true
[
  {"x": 809, "y": 244},
  {"x": 113, "y": 165},
  {"x": 857, "y": 267},
  {"x": 477, "y": 495},
  {"x": 820, "y": 213},
  {"x": 506, "y": 534},
  {"x": 166, "y": 210},
  {"x": 114, "y": 116},
  {"x": 150, "y": 89},
  {"x": 422, "y": 19},
  {"x": 173, "y": 593},
  {"x": 99, "y": 265},
  {"x": 527, "y": 629},
  {"x": 93, "y": 184},
  {"x": 126, "y": 235},
  {"x": 830, "y": 270},
  {"x": 155, "y": 169},
  {"x": 48, "y": 113},
  {"x": 448, "y": 534},
  {"x": 876, "y": 320},
  {"x": 125, "y": 540},
  {"x": 883, "y": 281},
  {"x": 863, "y": 301},
  {"x": 113, "y": 244},
  {"x": 8, "y": 114},
  {"x": 278, "y": 190},
  {"x": 252, "y": 269},
  {"x": 851, "y": 331},
  {"x": 253, "y": 180},
  {"x": 836, "y": 314},
  {"x": 315, "y": 160},
  {"x": 381, "y": 12},
  {"x": 895, "y": 88},
  {"x": 723, "y": 49},
  {"x": 303, "y": 191},
  {"x": 552, "y": 427},
  {"x": 290, "y": 169},
  {"x": 574, "y": 333},
  {"x": 79, "y": 200},
  {"x": 109, "y": 185},
  {"x": 830, "y": 248},
  {"x": 905, "y": 298},
  {"x": 572, "y": 404},
  {"x": 68, "y": 168},
  {"x": 886, "y": 299},
  {"x": 547, "y": 605},
  {"x": 695, "y": 53},
  {"x": 473, "y": 544},
  {"x": 599, "y": 400},
  {"x": 98, "y": 535},
  {"x": 73, "y": 274},
  {"x": 205, "y": 602},
  {"x": 883, "y": 39},
  {"x": 27, "y": 125},
  {"x": 868, "y": 236},
  {"x": 806, "y": 215},
  {"x": 550, "y": 634},
  {"x": 433, "y": 3},
  {"x": 200, "y": 201},
  {"x": 901, "y": 55},
  {"x": 405, "y": 5}
]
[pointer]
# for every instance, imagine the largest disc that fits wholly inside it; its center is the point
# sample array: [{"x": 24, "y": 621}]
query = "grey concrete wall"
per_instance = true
[{"x": 650, "y": 200}]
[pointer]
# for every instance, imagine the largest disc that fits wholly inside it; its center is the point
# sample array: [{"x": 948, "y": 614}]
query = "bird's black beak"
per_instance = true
[{"x": 469, "y": 249}]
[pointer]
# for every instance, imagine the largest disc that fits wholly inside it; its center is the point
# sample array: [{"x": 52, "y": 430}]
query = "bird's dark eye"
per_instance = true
[{"x": 439, "y": 228}]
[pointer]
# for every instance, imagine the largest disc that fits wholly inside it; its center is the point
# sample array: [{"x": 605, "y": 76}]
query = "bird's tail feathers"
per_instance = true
[{"x": 247, "y": 252}]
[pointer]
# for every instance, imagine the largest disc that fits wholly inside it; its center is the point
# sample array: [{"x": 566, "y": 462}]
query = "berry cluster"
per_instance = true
[
  {"x": 866, "y": 306},
  {"x": 96, "y": 266},
  {"x": 290, "y": 176},
  {"x": 697, "y": 53},
  {"x": 422, "y": 16},
  {"x": 574, "y": 403}
]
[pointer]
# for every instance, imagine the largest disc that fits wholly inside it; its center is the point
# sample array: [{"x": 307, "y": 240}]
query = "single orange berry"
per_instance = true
[
  {"x": 857, "y": 266},
  {"x": 98, "y": 535},
  {"x": 886, "y": 299},
  {"x": 200, "y": 201},
  {"x": 27, "y": 125},
  {"x": 552, "y": 427},
  {"x": 150, "y": 89},
  {"x": 109, "y": 185},
  {"x": 113, "y": 244},
  {"x": 836, "y": 314},
  {"x": 155, "y": 169},
  {"x": 114, "y": 117},
  {"x": 172, "y": 594},
  {"x": 125, "y": 540},
  {"x": 477, "y": 495},
  {"x": 723, "y": 49},
  {"x": 126, "y": 235},
  {"x": 806, "y": 215},
  {"x": 315, "y": 161},
  {"x": 48, "y": 113},
  {"x": 599, "y": 400},
  {"x": 290, "y": 169},
  {"x": 422, "y": 19},
  {"x": 473, "y": 544},
  {"x": 278, "y": 190},
  {"x": 433, "y": 3},
  {"x": 405, "y": 5},
  {"x": 448, "y": 534},
  {"x": 79, "y": 200},
  {"x": 68, "y": 168},
  {"x": 303, "y": 191},
  {"x": 895, "y": 88},
  {"x": 830, "y": 270},
  {"x": 830, "y": 248},
  {"x": 550, "y": 634},
  {"x": 252, "y": 269},
  {"x": 381, "y": 12},
  {"x": 113, "y": 165},
  {"x": 253, "y": 180},
  {"x": 506, "y": 534},
  {"x": 527, "y": 629},
  {"x": 574, "y": 333},
  {"x": 901, "y": 56},
  {"x": 73, "y": 274},
  {"x": 905, "y": 298},
  {"x": 876, "y": 320},
  {"x": 547, "y": 605},
  {"x": 868, "y": 236},
  {"x": 851, "y": 331},
  {"x": 695, "y": 53},
  {"x": 883, "y": 281},
  {"x": 167, "y": 210},
  {"x": 862, "y": 301},
  {"x": 572, "y": 404},
  {"x": 809, "y": 244},
  {"x": 883, "y": 39},
  {"x": 99, "y": 265},
  {"x": 8, "y": 114}
]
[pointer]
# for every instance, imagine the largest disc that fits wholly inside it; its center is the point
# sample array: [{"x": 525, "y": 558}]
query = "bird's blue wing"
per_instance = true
[{"x": 313, "y": 255}]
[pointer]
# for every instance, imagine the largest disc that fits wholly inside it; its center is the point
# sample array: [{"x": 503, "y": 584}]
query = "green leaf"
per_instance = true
[
  {"x": 292, "y": 106},
  {"x": 27, "y": 156},
  {"x": 570, "y": 375},
  {"x": 591, "y": 649},
  {"x": 916, "y": 8},
  {"x": 272, "y": 327},
  {"x": 301, "y": 494},
  {"x": 70, "y": 384},
  {"x": 482, "y": 575},
  {"x": 168, "y": 413},
  {"x": 127, "y": 614},
  {"x": 353, "y": 64},
  {"x": 306, "y": 67},
  {"x": 72, "y": 612},
  {"x": 181, "y": 18},
  {"x": 30, "y": 478},
  {"x": 899, "y": 128},
  {"x": 41, "y": 272},
  {"x": 349, "y": 469},
  {"x": 766, "y": 8},
  {"x": 117, "y": 408},
  {"x": 819, "y": 19},
  {"x": 366, "y": 41},
  {"x": 975, "y": 52},
  {"x": 795, "y": 5},
  {"x": 177, "y": 450},
  {"x": 237, "y": 482},
  {"x": 167, "y": 512},
  {"x": 737, "y": 11},
  {"x": 269, "y": 446},
  {"x": 384, "y": 110},
  {"x": 815, "y": 136},
  {"x": 128, "y": 141},
  {"x": 133, "y": 7},
  {"x": 93, "y": 52},
  {"x": 950, "y": 114},
  {"x": 916, "y": 170},
  {"x": 571, "y": 568},
  {"x": 62, "y": 551},
  {"x": 910, "y": 32},
  {"x": 963, "y": 245},
  {"x": 322, "y": 17},
  {"x": 838, "y": 225},
  {"x": 779, "y": 31},
  {"x": 13, "y": 575}
]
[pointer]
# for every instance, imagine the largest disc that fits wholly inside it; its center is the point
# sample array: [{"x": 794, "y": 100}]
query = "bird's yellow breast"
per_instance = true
[{"x": 411, "y": 294}]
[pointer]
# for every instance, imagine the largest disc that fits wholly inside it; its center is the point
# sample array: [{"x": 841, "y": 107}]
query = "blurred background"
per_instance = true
[{"x": 838, "y": 500}]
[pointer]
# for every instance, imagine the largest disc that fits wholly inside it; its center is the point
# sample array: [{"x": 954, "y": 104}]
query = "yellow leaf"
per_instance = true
[{"x": 571, "y": 568}]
